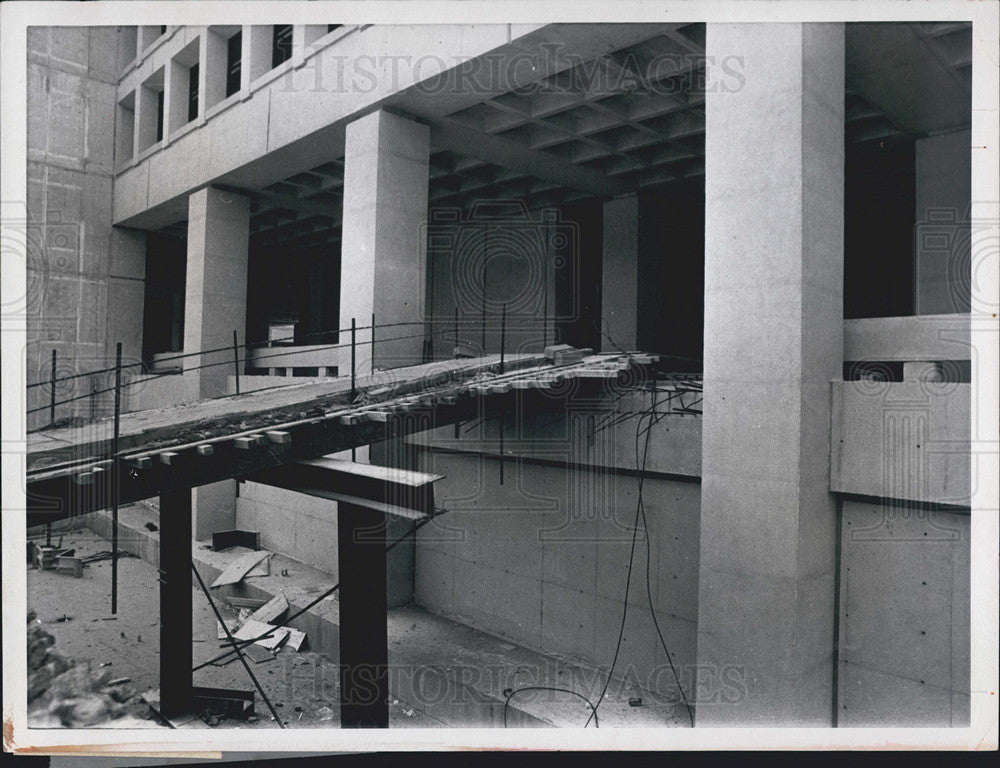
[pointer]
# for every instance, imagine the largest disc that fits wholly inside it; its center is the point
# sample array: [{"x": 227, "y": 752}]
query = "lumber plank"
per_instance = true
[{"x": 238, "y": 568}]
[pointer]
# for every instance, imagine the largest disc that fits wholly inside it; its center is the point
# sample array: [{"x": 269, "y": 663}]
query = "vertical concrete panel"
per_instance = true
[
  {"x": 773, "y": 341},
  {"x": 620, "y": 283},
  {"x": 542, "y": 559},
  {"x": 904, "y": 616},
  {"x": 213, "y": 508},
  {"x": 383, "y": 251}
]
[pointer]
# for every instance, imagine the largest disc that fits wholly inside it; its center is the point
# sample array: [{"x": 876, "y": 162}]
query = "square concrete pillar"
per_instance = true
[
  {"x": 215, "y": 298},
  {"x": 215, "y": 304},
  {"x": 774, "y": 188},
  {"x": 620, "y": 277},
  {"x": 383, "y": 247}
]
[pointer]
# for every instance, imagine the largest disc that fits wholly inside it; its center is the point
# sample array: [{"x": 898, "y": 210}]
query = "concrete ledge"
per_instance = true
[
  {"x": 922, "y": 337},
  {"x": 902, "y": 440}
]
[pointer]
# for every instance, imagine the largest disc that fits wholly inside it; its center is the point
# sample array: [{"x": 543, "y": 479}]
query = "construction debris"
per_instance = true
[
  {"x": 240, "y": 567},
  {"x": 232, "y": 624},
  {"x": 274, "y": 636},
  {"x": 62, "y": 693},
  {"x": 271, "y": 611},
  {"x": 71, "y": 564},
  {"x": 324, "y": 713},
  {"x": 257, "y": 654},
  {"x": 245, "y": 602},
  {"x": 295, "y": 639},
  {"x": 263, "y": 568},
  {"x": 106, "y": 555},
  {"x": 222, "y": 540}
]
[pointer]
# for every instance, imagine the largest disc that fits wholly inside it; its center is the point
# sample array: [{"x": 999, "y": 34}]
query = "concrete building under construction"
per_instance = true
[{"x": 674, "y": 320}]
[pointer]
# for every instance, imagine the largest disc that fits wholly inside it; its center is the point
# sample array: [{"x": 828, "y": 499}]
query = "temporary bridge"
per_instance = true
[{"x": 279, "y": 436}]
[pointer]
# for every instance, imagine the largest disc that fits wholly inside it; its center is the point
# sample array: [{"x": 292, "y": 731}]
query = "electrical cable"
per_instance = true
[
  {"x": 509, "y": 696},
  {"x": 241, "y": 643},
  {"x": 641, "y": 513},
  {"x": 649, "y": 593},
  {"x": 628, "y": 582}
]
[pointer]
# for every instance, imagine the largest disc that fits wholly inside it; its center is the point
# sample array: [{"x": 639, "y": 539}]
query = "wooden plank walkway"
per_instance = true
[{"x": 69, "y": 469}]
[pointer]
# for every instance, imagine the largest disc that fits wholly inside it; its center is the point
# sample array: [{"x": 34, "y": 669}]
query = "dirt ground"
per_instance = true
[{"x": 302, "y": 685}]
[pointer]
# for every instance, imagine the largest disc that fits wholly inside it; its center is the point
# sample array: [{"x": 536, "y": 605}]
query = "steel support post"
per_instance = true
[
  {"x": 364, "y": 646},
  {"x": 176, "y": 624}
]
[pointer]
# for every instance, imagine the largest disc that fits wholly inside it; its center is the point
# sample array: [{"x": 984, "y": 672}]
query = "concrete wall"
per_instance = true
[
  {"x": 904, "y": 617},
  {"x": 305, "y": 529},
  {"x": 543, "y": 558},
  {"x": 921, "y": 337},
  {"x": 942, "y": 237},
  {"x": 85, "y": 278},
  {"x": 472, "y": 266},
  {"x": 902, "y": 440}
]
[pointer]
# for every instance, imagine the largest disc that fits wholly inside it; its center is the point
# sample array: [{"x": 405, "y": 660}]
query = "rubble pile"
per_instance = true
[{"x": 64, "y": 693}]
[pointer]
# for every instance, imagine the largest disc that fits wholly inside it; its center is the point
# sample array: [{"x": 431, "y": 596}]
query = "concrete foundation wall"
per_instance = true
[
  {"x": 543, "y": 559},
  {"x": 305, "y": 529},
  {"x": 904, "y": 617},
  {"x": 85, "y": 279}
]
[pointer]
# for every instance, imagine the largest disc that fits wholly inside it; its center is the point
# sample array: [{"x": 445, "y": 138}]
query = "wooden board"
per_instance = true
[
  {"x": 158, "y": 428},
  {"x": 295, "y": 638},
  {"x": 272, "y": 610},
  {"x": 237, "y": 569},
  {"x": 252, "y": 629}
]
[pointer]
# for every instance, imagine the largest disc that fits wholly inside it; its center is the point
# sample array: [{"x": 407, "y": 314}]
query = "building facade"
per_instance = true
[{"x": 781, "y": 211}]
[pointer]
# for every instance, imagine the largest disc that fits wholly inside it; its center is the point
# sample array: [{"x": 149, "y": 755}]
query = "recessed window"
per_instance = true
[
  {"x": 149, "y": 110},
  {"x": 281, "y": 44},
  {"x": 184, "y": 87},
  {"x": 234, "y": 54},
  {"x": 192, "y": 93},
  {"x": 125, "y": 134},
  {"x": 159, "y": 116},
  {"x": 128, "y": 41}
]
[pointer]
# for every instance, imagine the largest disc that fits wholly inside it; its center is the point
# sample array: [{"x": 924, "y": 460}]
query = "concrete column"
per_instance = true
[
  {"x": 774, "y": 170},
  {"x": 620, "y": 279},
  {"x": 942, "y": 238},
  {"x": 256, "y": 54},
  {"x": 175, "y": 98},
  {"x": 383, "y": 248},
  {"x": 215, "y": 300},
  {"x": 215, "y": 304}
]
